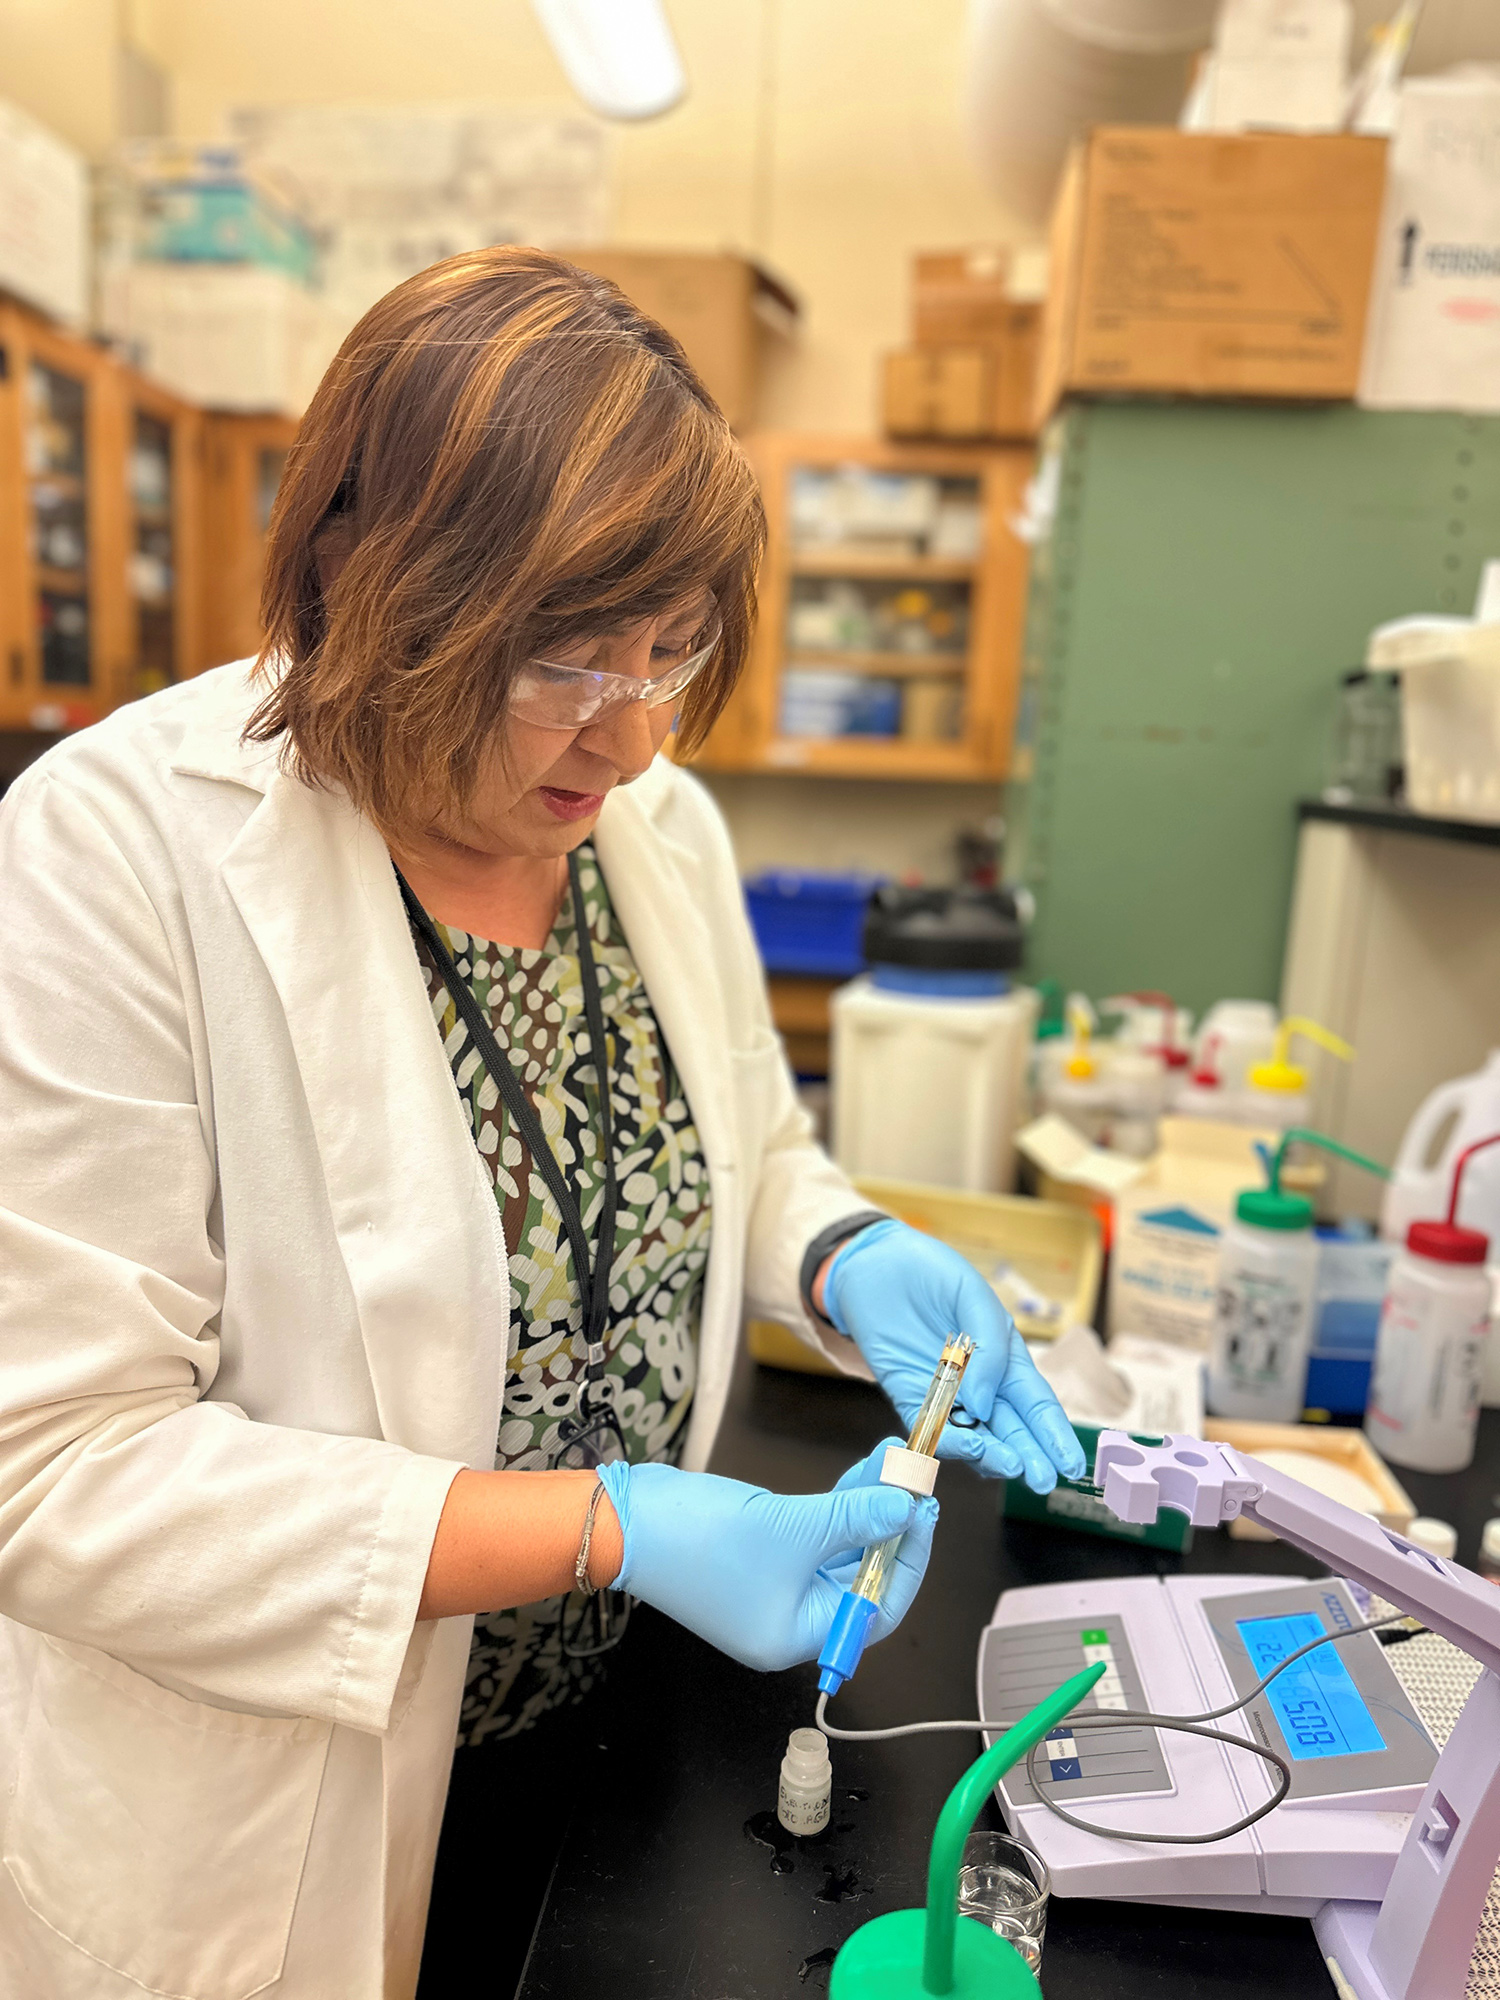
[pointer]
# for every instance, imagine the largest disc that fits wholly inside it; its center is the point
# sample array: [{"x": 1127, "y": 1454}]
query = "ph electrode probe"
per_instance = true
[{"x": 914, "y": 1469}]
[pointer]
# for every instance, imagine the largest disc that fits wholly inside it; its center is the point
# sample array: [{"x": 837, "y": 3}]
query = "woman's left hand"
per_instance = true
[{"x": 899, "y": 1296}]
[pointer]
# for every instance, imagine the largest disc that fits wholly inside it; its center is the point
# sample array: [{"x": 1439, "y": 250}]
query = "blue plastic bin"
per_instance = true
[{"x": 809, "y": 924}]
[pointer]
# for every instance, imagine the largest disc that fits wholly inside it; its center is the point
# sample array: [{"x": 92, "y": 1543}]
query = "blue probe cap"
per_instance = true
[{"x": 845, "y": 1642}]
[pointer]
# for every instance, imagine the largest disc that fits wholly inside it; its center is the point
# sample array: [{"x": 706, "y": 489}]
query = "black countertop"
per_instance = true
[
  {"x": 661, "y": 1893},
  {"x": 1401, "y": 819}
]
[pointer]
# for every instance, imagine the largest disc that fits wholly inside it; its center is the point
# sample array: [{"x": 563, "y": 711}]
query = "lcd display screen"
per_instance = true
[{"x": 1320, "y": 1711}]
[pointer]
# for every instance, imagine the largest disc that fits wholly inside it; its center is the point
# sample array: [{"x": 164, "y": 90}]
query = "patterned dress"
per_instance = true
[{"x": 533, "y": 1001}]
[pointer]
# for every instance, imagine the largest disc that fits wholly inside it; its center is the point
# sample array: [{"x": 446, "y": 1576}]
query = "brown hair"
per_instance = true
[{"x": 504, "y": 456}]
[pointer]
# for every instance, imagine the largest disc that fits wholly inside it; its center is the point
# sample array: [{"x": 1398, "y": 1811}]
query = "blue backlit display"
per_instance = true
[{"x": 1319, "y": 1709}]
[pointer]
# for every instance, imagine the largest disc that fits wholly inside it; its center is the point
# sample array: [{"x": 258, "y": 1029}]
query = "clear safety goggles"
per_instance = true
[{"x": 554, "y": 695}]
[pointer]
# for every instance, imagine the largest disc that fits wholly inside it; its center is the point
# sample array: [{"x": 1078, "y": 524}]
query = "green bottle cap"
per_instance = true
[
  {"x": 908, "y": 1954},
  {"x": 1268, "y": 1208}
]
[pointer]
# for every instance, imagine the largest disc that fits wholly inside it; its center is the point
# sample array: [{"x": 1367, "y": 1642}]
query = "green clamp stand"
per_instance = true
[{"x": 908, "y": 1953}]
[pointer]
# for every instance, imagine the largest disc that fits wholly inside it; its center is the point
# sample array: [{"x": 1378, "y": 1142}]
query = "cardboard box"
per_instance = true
[
  {"x": 1164, "y": 1262},
  {"x": 720, "y": 307},
  {"x": 937, "y": 392},
  {"x": 226, "y": 336},
  {"x": 961, "y": 392},
  {"x": 1206, "y": 264},
  {"x": 44, "y": 218},
  {"x": 971, "y": 300},
  {"x": 1434, "y": 338}
]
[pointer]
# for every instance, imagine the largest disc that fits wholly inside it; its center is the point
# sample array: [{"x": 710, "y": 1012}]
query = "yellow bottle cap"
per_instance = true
[{"x": 1280, "y": 1075}]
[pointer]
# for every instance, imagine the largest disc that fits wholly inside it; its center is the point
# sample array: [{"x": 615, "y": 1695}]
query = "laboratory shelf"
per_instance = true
[
  {"x": 888, "y": 666},
  {"x": 1400, "y": 819},
  {"x": 868, "y": 562}
]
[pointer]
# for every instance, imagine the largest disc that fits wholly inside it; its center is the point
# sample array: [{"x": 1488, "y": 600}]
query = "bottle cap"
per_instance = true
[
  {"x": 1280, "y": 1075},
  {"x": 1264, "y": 1209},
  {"x": 1489, "y": 1541},
  {"x": 1447, "y": 1243},
  {"x": 1439, "y": 1538}
]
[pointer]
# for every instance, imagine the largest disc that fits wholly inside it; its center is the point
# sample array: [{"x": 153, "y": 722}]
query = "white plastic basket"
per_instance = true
[{"x": 1450, "y": 713}]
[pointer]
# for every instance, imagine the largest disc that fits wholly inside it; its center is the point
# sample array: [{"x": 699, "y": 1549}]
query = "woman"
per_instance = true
[{"x": 342, "y": 1301}]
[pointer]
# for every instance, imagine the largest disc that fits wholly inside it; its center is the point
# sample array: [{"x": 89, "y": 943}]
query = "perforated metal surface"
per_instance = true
[{"x": 1437, "y": 1678}]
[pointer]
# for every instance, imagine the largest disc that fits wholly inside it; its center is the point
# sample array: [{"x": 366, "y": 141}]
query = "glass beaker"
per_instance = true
[
  {"x": 1364, "y": 762},
  {"x": 1006, "y": 1885}
]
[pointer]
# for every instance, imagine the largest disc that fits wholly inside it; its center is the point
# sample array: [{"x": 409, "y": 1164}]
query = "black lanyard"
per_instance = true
[{"x": 593, "y": 1274}]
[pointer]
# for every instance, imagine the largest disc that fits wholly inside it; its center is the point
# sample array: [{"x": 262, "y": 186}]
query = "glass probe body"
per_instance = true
[{"x": 851, "y": 1622}]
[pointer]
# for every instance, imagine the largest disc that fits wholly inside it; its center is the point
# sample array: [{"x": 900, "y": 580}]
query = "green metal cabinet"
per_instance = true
[{"x": 1211, "y": 571}]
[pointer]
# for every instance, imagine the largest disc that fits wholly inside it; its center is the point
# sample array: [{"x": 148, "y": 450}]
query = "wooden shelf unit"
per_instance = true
[
  {"x": 163, "y": 441},
  {"x": 747, "y": 736},
  {"x": 64, "y": 636},
  {"x": 245, "y": 456},
  {"x": 101, "y": 558}
]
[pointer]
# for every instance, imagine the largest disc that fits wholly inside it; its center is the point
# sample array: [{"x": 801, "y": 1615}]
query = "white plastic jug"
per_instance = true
[
  {"x": 927, "y": 1089},
  {"x": 1469, "y": 1109}
]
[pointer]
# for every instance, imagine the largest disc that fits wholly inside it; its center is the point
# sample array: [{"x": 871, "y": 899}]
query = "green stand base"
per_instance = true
[
  {"x": 883, "y": 1961},
  {"x": 909, "y": 1953}
]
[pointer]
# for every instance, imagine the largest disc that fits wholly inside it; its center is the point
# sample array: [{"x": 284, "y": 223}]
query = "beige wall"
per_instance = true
[{"x": 821, "y": 134}]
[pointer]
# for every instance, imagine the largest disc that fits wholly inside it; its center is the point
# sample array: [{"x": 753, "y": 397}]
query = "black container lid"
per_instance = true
[{"x": 943, "y": 930}]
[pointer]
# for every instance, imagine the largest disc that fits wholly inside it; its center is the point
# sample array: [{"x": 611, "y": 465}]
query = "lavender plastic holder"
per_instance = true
[{"x": 1417, "y": 1943}]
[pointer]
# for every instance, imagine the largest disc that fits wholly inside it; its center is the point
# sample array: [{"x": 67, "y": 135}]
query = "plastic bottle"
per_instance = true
[
  {"x": 1447, "y": 1121},
  {"x": 1489, "y": 1552},
  {"x": 1242, "y": 1032},
  {"x": 1439, "y": 1538},
  {"x": 1275, "y": 1091},
  {"x": 1424, "y": 1395},
  {"x": 1268, "y": 1273},
  {"x": 806, "y": 1786},
  {"x": 1267, "y": 1284}
]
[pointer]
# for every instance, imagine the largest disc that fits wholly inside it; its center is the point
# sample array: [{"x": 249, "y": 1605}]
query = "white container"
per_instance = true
[
  {"x": 1424, "y": 1396},
  {"x": 45, "y": 219},
  {"x": 1450, "y": 1119},
  {"x": 806, "y": 1784},
  {"x": 929, "y": 1089},
  {"x": 1450, "y": 713},
  {"x": 1263, "y": 1312},
  {"x": 1232, "y": 1035}
]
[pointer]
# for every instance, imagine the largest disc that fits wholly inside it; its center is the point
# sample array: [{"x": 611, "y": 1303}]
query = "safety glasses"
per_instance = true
[{"x": 554, "y": 695}]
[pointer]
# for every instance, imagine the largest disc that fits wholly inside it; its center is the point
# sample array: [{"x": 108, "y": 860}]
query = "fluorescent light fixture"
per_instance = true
[{"x": 619, "y": 54}]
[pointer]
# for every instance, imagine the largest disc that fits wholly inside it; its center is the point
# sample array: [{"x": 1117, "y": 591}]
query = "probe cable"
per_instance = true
[{"x": 1115, "y": 1718}]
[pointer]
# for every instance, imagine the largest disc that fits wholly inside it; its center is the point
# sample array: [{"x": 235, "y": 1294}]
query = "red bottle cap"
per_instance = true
[{"x": 1448, "y": 1243}]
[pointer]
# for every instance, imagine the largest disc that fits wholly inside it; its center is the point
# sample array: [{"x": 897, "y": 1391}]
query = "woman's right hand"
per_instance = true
[{"x": 758, "y": 1574}]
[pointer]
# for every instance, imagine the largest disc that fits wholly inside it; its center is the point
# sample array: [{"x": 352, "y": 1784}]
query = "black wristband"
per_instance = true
[{"x": 828, "y": 1240}]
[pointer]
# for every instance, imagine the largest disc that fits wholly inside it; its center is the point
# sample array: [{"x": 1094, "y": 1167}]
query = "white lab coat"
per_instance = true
[{"x": 253, "y": 1319}]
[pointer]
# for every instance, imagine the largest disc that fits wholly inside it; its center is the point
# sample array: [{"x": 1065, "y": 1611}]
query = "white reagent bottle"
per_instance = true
[
  {"x": 806, "y": 1783},
  {"x": 1424, "y": 1396},
  {"x": 1263, "y": 1313}
]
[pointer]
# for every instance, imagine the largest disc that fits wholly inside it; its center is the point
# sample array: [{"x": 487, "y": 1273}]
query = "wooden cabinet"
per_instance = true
[
  {"x": 161, "y": 493},
  {"x": 63, "y": 613},
  {"x": 244, "y": 461},
  {"x": 892, "y": 601},
  {"x": 101, "y": 529}
]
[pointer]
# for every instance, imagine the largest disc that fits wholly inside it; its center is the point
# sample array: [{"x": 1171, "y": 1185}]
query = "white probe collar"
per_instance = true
[{"x": 913, "y": 1471}]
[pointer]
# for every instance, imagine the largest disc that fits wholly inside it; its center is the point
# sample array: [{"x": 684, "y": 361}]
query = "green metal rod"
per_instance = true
[
  {"x": 1298, "y": 1134},
  {"x": 962, "y": 1809}
]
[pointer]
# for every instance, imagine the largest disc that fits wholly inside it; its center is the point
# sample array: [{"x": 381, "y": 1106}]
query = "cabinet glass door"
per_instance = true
[
  {"x": 152, "y": 564},
  {"x": 56, "y": 476}
]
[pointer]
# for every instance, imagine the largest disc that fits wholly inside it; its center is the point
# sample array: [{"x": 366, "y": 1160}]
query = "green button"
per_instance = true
[{"x": 1093, "y": 1638}]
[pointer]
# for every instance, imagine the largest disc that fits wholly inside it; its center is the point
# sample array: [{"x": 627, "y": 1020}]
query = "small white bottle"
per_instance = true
[
  {"x": 1424, "y": 1393},
  {"x": 806, "y": 1783},
  {"x": 1263, "y": 1313}
]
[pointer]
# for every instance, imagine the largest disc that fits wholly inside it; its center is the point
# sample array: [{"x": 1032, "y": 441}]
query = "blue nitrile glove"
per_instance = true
[
  {"x": 757, "y": 1574},
  {"x": 899, "y": 1295}
]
